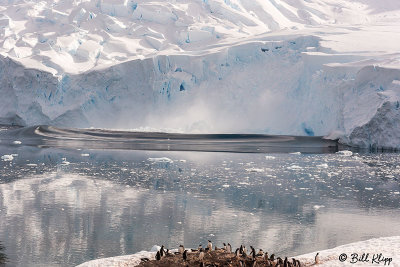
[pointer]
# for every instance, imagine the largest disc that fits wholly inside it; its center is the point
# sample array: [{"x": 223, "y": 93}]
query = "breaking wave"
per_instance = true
[{"x": 50, "y": 136}]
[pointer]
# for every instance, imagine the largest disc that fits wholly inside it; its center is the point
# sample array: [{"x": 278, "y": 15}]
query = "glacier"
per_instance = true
[{"x": 318, "y": 67}]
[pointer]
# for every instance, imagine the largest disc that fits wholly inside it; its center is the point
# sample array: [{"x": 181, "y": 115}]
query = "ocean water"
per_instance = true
[{"x": 66, "y": 198}]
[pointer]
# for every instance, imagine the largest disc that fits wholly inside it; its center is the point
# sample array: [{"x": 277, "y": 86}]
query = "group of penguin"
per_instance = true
[{"x": 241, "y": 255}]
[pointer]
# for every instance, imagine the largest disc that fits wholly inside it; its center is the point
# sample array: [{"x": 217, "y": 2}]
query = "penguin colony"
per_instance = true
[{"x": 219, "y": 257}]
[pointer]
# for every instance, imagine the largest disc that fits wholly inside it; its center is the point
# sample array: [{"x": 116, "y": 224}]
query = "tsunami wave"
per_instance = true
[{"x": 50, "y": 136}]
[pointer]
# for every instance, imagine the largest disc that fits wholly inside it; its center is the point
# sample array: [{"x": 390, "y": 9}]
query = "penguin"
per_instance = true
[
  {"x": 272, "y": 258},
  {"x": 237, "y": 253},
  {"x": 241, "y": 249},
  {"x": 200, "y": 247},
  {"x": 167, "y": 253},
  {"x": 201, "y": 264},
  {"x": 209, "y": 245},
  {"x": 185, "y": 255},
  {"x": 158, "y": 256},
  {"x": 229, "y": 247},
  {"x": 317, "y": 258},
  {"x": 298, "y": 263},
  {"x": 285, "y": 262},
  {"x": 162, "y": 251},
  {"x": 144, "y": 259},
  {"x": 244, "y": 254},
  {"x": 201, "y": 255},
  {"x": 181, "y": 249},
  {"x": 241, "y": 263},
  {"x": 224, "y": 246},
  {"x": 253, "y": 253},
  {"x": 266, "y": 256},
  {"x": 260, "y": 253}
]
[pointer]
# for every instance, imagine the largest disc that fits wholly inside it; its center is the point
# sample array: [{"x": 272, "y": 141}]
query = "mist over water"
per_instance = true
[{"x": 64, "y": 206}]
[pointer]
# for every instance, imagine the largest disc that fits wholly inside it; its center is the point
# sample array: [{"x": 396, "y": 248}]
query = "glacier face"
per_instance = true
[{"x": 275, "y": 67}]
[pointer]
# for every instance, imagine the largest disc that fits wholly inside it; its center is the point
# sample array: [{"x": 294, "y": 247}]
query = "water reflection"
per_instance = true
[
  {"x": 3, "y": 257},
  {"x": 61, "y": 208}
]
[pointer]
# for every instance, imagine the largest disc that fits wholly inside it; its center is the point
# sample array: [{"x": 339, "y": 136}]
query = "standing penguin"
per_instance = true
[
  {"x": 237, "y": 253},
  {"x": 317, "y": 258},
  {"x": 260, "y": 253},
  {"x": 266, "y": 256},
  {"x": 158, "y": 256},
  {"x": 162, "y": 251},
  {"x": 224, "y": 246},
  {"x": 253, "y": 252},
  {"x": 185, "y": 255},
  {"x": 209, "y": 245},
  {"x": 272, "y": 258},
  {"x": 241, "y": 249},
  {"x": 229, "y": 248}
]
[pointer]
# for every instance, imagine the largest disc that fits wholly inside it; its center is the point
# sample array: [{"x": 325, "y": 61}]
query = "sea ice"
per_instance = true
[{"x": 7, "y": 157}]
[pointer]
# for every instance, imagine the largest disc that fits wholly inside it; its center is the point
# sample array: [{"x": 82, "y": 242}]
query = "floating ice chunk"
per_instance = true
[
  {"x": 369, "y": 188},
  {"x": 85, "y": 155},
  {"x": 317, "y": 207},
  {"x": 294, "y": 167},
  {"x": 7, "y": 157},
  {"x": 64, "y": 161},
  {"x": 269, "y": 157},
  {"x": 346, "y": 153},
  {"x": 295, "y": 153},
  {"x": 226, "y": 185},
  {"x": 16, "y": 142},
  {"x": 31, "y": 164},
  {"x": 324, "y": 165},
  {"x": 163, "y": 159},
  {"x": 254, "y": 170},
  {"x": 182, "y": 160}
]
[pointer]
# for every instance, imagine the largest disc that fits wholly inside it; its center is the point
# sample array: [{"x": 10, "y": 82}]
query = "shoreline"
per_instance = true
[{"x": 387, "y": 247}]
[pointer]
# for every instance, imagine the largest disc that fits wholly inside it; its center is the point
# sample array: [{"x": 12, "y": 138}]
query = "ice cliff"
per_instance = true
[{"x": 319, "y": 67}]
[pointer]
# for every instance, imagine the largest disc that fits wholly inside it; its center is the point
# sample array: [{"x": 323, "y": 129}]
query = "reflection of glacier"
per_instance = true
[
  {"x": 101, "y": 206},
  {"x": 204, "y": 67}
]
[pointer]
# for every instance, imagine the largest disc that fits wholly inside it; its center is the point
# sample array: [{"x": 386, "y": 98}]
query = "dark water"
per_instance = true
[{"x": 63, "y": 205}]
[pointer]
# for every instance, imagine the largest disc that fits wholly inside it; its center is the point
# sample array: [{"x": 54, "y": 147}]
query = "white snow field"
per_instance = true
[
  {"x": 316, "y": 67},
  {"x": 389, "y": 247}
]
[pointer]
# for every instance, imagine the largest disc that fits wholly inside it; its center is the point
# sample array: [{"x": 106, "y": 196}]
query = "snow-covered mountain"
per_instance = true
[{"x": 315, "y": 67}]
